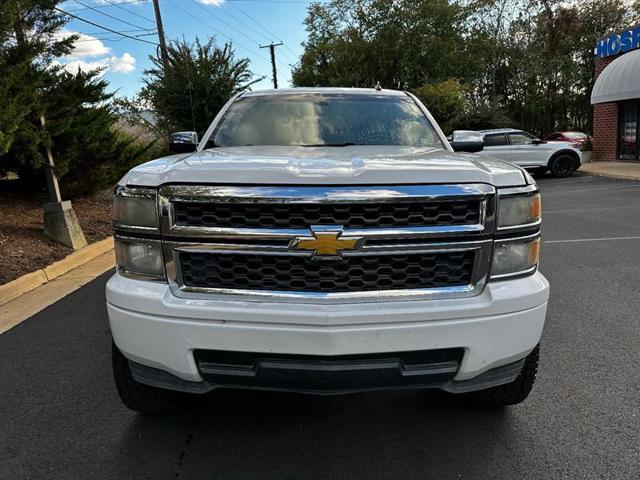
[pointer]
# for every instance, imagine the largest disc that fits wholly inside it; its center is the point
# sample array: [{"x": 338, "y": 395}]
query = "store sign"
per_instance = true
[{"x": 618, "y": 43}]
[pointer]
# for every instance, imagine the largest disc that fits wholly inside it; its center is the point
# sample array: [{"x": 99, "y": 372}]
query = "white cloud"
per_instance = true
[
  {"x": 123, "y": 64},
  {"x": 216, "y": 3},
  {"x": 85, "y": 45},
  {"x": 88, "y": 47}
]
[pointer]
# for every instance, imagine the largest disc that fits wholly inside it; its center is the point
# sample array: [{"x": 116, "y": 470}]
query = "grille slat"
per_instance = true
[
  {"x": 348, "y": 274},
  {"x": 304, "y": 215}
]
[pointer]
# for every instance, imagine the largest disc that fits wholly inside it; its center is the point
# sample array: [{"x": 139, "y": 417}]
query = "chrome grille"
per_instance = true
[
  {"x": 347, "y": 274},
  {"x": 395, "y": 242},
  {"x": 301, "y": 215}
]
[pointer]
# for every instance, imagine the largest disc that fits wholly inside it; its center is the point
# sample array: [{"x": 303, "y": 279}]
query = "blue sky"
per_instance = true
[{"x": 247, "y": 23}]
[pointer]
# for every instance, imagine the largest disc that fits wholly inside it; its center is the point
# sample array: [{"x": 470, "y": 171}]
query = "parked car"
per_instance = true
[
  {"x": 577, "y": 139},
  {"x": 528, "y": 151},
  {"x": 326, "y": 241}
]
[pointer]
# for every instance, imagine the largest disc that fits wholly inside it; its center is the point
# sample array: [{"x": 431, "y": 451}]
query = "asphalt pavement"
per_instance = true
[{"x": 60, "y": 417}]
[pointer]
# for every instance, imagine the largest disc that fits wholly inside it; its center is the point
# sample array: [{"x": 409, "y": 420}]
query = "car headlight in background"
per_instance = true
[
  {"x": 135, "y": 209},
  {"x": 519, "y": 210},
  {"x": 514, "y": 257}
]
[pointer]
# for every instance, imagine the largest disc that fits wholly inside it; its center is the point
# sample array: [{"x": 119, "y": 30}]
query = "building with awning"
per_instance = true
[{"x": 616, "y": 97}]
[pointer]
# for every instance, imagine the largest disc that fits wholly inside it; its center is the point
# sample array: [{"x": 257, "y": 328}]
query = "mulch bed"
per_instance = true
[{"x": 24, "y": 247}]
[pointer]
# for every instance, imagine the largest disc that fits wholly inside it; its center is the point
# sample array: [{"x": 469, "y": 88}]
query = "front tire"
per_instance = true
[
  {"x": 514, "y": 392},
  {"x": 563, "y": 166},
  {"x": 136, "y": 396}
]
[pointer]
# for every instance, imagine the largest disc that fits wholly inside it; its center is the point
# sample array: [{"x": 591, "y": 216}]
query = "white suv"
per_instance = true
[
  {"x": 562, "y": 159},
  {"x": 326, "y": 241}
]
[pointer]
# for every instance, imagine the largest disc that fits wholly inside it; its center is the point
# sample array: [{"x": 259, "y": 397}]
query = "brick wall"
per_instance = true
[
  {"x": 605, "y": 132},
  {"x": 605, "y": 124}
]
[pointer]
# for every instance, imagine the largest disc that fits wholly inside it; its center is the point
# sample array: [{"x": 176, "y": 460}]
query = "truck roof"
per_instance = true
[
  {"x": 334, "y": 90},
  {"x": 501, "y": 130}
]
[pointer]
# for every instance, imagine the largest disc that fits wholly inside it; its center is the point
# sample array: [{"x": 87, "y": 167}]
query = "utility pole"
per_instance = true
[
  {"x": 160, "y": 28},
  {"x": 272, "y": 49}
]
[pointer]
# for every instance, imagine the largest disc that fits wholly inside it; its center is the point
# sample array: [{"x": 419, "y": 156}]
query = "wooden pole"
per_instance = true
[
  {"x": 161, "y": 40},
  {"x": 272, "y": 49}
]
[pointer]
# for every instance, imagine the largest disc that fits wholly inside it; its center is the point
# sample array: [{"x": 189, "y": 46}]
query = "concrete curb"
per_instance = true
[
  {"x": 21, "y": 285},
  {"x": 619, "y": 176}
]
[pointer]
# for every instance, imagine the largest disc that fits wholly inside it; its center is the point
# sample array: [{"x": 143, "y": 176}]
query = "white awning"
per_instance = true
[{"x": 620, "y": 80}]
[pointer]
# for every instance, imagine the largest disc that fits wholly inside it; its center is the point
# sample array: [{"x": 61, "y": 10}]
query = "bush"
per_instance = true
[{"x": 196, "y": 83}]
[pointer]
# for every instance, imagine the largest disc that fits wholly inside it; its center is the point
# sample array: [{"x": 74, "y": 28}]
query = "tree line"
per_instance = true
[{"x": 475, "y": 63}]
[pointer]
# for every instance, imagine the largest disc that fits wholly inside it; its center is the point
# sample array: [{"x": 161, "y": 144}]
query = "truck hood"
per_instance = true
[{"x": 371, "y": 165}]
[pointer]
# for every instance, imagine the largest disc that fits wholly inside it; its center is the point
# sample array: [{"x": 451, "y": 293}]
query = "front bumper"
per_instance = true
[{"x": 159, "y": 334}]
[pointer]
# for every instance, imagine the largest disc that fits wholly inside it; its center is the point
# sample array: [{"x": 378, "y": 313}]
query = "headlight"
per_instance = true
[
  {"x": 515, "y": 257},
  {"x": 135, "y": 209},
  {"x": 139, "y": 257},
  {"x": 518, "y": 210}
]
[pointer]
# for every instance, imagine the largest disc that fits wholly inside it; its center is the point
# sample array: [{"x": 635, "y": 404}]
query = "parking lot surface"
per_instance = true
[{"x": 60, "y": 417}]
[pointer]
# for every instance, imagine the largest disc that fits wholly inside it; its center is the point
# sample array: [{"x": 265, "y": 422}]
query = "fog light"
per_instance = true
[{"x": 139, "y": 257}]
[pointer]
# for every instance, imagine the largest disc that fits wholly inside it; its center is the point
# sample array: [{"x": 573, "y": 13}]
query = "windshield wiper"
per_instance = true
[{"x": 343, "y": 144}]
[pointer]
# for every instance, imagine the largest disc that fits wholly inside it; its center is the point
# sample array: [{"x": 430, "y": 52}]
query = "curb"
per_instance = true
[
  {"x": 619, "y": 176},
  {"x": 21, "y": 285}
]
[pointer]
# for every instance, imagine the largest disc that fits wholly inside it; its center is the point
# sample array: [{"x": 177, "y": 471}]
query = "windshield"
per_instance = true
[{"x": 313, "y": 119}]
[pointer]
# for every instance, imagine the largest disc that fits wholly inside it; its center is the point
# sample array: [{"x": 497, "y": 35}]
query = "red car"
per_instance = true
[{"x": 578, "y": 139}]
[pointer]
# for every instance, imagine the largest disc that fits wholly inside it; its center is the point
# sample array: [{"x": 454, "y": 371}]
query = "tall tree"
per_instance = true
[
  {"x": 198, "y": 81},
  {"x": 399, "y": 43}
]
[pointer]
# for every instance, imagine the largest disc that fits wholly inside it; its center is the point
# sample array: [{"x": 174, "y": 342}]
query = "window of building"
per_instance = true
[
  {"x": 495, "y": 140},
  {"x": 629, "y": 130}
]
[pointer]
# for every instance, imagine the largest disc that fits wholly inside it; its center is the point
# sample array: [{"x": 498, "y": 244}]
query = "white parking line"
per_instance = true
[{"x": 602, "y": 239}]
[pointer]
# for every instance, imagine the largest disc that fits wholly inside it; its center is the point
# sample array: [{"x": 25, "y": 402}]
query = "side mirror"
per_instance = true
[
  {"x": 467, "y": 141},
  {"x": 537, "y": 141},
  {"x": 183, "y": 142}
]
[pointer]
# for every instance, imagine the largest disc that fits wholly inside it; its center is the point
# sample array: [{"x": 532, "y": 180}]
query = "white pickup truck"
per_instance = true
[{"x": 326, "y": 241}]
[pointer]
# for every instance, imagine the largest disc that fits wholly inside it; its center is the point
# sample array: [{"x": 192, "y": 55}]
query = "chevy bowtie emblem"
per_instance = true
[{"x": 326, "y": 241}]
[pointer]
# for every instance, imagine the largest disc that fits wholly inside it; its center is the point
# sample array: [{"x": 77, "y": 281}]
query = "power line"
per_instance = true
[
  {"x": 104, "y": 28},
  {"x": 108, "y": 15},
  {"x": 269, "y": 32},
  {"x": 245, "y": 25},
  {"x": 186, "y": 12},
  {"x": 224, "y": 22},
  {"x": 135, "y": 30},
  {"x": 110, "y": 39},
  {"x": 230, "y": 26},
  {"x": 129, "y": 2},
  {"x": 272, "y": 36},
  {"x": 130, "y": 12}
]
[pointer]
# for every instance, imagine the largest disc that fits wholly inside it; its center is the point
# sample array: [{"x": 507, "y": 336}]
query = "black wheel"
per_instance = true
[
  {"x": 563, "y": 166},
  {"x": 514, "y": 392},
  {"x": 137, "y": 396}
]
